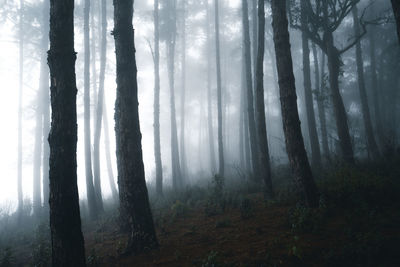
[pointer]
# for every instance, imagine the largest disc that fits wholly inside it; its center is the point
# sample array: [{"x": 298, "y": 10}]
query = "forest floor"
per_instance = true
[{"x": 357, "y": 224}]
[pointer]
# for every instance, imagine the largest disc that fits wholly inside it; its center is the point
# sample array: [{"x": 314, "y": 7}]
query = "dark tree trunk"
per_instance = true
[
  {"x": 209, "y": 98},
  {"x": 134, "y": 202},
  {"x": 338, "y": 106},
  {"x": 396, "y": 11},
  {"x": 157, "y": 143},
  {"x": 374, "y": 85},
  {"x": 65, "y": 223},
  {"x": 110, "y": 172},
  {"x": 265, "y": 165},
  {"x": 254, "y": 43},
  {"x": 309, "y": 103},
  {"x": 91, "y": 197},
  {"x": 99, "y": 109},
  {"x": 20, "y": 92},
  {"x": 44, "y": 72},
  {"x": 177, "y": 180},
  {"x": 372, "y": 146},
  {"x": 242, "y": 127},
  {"x": 319, "y": 85},
  {"x": 183, "y": 94},
  {"x": 219, "y": 93},
  {"x": 250, "y": 99},
  {"x": 291, "y": 123}
]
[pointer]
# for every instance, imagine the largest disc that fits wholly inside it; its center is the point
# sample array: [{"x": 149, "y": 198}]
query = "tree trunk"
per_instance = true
[
  {"x": 183, "y": 94},
  {"x": 219, "y": 93},
  {"x": 134, "y": 201},
  {"x": 374, "y": 84},
  {"x": 20, "y": 92},
  {"x": 265, "y": 164},
  {"x": 45, "y": 104},
  {"x": 250, "y": 98},
  {"x": 110, "y": 172},
  {"x": 372, "y": 146},
  {"x": 309, "y": 103},
  {"x": 396, "y": 11},
  {"x": 209, "y": 98},
  {"x": 99, "y": 110},
  {"x": 338, "y": 106},
  {"x": 177, "y": 181},
  {"x": 91, "y": 197},
  {"x": 319, "y": 85},
  {"x": 291, "y": 122},
  {"x": 65, "y": 223},
  {"x": 157, "y": 143}
]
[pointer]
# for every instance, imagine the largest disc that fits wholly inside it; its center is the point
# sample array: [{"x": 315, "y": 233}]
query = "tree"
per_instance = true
[
  {"x": 65, "y": 223},
  {"x": 20, "y": 92},
  {"x": 291, "y": 122},
  {"x": 91, "y": 197},
  {"x": 250, "y": 99},
  {"x": 209, "y": 95},
  {"x": 371, "y": 143},
  {"x": 170, "y": 9},
  {"x": 324, "y": 18},
  {"x": 99, "y": 109},
  {"x": 309, "y": 104},
  {"x": 219, "y": 92},
  {"x": 320, "y": 96},
  {"x": 134, "y": 201},
  {"x": 183, "y": 92},
  {"x": 265, "y": 165},
  {"x": 396, "y": 11}
]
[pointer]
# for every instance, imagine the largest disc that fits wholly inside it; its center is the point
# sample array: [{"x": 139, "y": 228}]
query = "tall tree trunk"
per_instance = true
[
  {"x": 372, "y": 146},
  {"x": 183, "y": 93},
  {"x": 254, "y": 43},
  {"x": 99, "y": 110},
  {"x": 44, "y": 70},
  {"x": 309, "y": 103},
  {"x": 65, "y": 223},
  {"x": 91, "y": 197},
  {"x": 374, "y": 85},
  {"x": 209, "y": 98},
  {"x": 177, "y": 181},
  {"x": 265, "y": 164},
  {"x": 242, "y": 127},
  {"x": 319, "y": 85},
  {"x": 110, "y": 172},
  {"x": 134, "y": 200},
  {"x": 219, "y": 93},
  {"x": 250, "y": 98},
  {"x": 20, "y": 92},
  {"x": 396, "y": 11},
  {"x": 338, "y": 106},
  {"x": 291, "y": 122},
  {"x": 157, "y": 143}
]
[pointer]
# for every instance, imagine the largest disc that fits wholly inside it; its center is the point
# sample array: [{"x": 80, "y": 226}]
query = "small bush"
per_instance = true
[{"x": 246, "y": 208}]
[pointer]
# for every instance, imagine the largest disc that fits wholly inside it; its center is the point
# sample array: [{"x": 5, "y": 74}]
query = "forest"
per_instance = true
[{"x": 200, "y": 133}]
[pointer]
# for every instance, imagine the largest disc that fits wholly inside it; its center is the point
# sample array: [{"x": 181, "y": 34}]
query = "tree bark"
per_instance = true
[
  {"x": 65, "y": 223},
  {"x": 250, "y": 99},
  {"x": 99, "y": 109},
  {"x": 291, "y": 123},
  {"x": 183, "y": 94},
  {"x": 319, "y": 85},
  {"x": 209, "y": 98},
  {"x": 371, "y": 143},
  {"x": 177, "y": 179},
  {"x": 265, "y": 164},
  {"x": 396, "y": 11},
  {"x": 134, "y": 202},
  {"x": 157, "y": 143},
  {"x": 20, "y": 92},
  {"x": 309, "y": 103},
  {"x": 91, "y": 197},
  {"x": 219, "y": 93}
]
